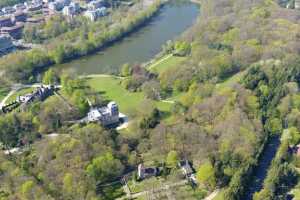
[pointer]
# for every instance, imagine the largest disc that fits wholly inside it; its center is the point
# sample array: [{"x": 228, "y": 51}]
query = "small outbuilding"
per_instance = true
[{"x": 144, "y": 172}]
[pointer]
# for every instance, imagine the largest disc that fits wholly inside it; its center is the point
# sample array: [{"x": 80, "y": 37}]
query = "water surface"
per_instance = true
[{"x": 171, "y": 21}]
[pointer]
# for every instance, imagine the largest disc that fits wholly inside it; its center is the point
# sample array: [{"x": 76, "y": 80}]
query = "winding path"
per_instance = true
[
  {"x": 101, "y": 76},
  {"x": 17, "y": 87},
  {"x": 158, "y": 62},
  {"x": 2, "y": 103},
  {"x": 212, "y": 195}
]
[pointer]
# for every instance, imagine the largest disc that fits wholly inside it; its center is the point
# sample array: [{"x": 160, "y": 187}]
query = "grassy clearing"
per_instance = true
[
  {"x": 19, "y": 93},
  {"x": 220, "y": 196},
  {"x": 230, "y": 81},
  {"x": 3, "y": 92},
  {"x": 111, "y": 89},
  {"x": 166, "y": 63}
]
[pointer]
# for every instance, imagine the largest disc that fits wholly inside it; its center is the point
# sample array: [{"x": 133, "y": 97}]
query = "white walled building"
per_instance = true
[
  {"x": 297, "y": 4},
  {"x": 72, "y": 9},
  {"x": 106, "y": 115},
  {"x": 93, "y": 5},
  {"x": 93, "y": 15}
]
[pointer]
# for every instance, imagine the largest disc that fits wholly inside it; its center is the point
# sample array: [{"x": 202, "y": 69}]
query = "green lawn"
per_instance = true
[
  {"x": 230, "y": 81},
  {"x": 220, "y": 196},
  {"x": 162, "y": 65},
  {"x": 111, "y": 89},
  {"x": 20, "y": 92},
  {"x": 3, "y": 92}
]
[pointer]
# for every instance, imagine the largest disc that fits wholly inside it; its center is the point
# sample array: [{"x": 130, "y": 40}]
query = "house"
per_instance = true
[
  {"x": 185, "y": 167},
  {"x": 64, "y": 2},
  {"x": 19, "y": 7},
  {"x": 105, "y": 115},
  {"x": 5, "y": 44},
  {"x": 8, "y": 10},
  {"x": 37, "y": 2},
  {"x": 297, "y": 4},
  {"x": 295, "y": 150},
  {"x": 93, "y": 5},
  {"x": 55, "y": 6},
  {"x": 19, "y": 17},
  {"x": 187, "y": 171},
  {"x": 35, "y": 20},
  {"x": 72, "y": 9},
  {"x": 144, "y": 172},
  {"x": 93, "y": 15},
  {"x": 40, "y": 94},
  {"x": 14, "y": 31},
  {"x": 5, "y": 21},
  {"x": 31, "y": 7},
  {"x": 47, "y": 1}
]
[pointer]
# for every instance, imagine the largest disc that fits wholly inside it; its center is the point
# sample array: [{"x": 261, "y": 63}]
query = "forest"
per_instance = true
[{"x": 236, "y": 88}]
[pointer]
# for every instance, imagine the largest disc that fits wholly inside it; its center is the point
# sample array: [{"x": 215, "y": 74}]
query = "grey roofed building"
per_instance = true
[
  {"x": 40, "y": 94},
  {"x": 55, "y": 6},
  {"x": 19, "y": 7},
  {"x": 144, "y": 172},
  {"x": 8, "y": 10},
  {"x": 188, "y": 171},
  {"x": 93, "y": 5},
  {"x": 185, "y": 167},
  {"x": 93, "y": 15},
  {"x": 72, "y": 9},
  {"x": 297, "y": 4},
  {"x": 33, "y": 6},
  {"x": 48, "y": 1},
  {"x": 19, "y": 17},
  {"x": 5, "y": 21},
  {"x": 5, "y": 44},
  {"x": 14, "y": 31},
  {"x": 105, "y": 115}
]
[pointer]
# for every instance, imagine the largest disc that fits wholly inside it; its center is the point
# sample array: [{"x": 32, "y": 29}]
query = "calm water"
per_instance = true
[{"x": 172, "y": 20}]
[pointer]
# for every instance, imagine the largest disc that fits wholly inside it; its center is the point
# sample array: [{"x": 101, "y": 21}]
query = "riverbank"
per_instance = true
[
  {"x": 141, "y": 46},
  {"x": 37, "y": 60}
]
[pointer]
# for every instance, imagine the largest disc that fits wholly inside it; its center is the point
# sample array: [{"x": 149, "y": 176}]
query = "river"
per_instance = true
[{"x": 170, "y": 22}]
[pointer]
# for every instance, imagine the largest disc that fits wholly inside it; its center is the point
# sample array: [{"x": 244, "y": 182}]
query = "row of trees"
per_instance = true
[{"x": 277, "y": 91}]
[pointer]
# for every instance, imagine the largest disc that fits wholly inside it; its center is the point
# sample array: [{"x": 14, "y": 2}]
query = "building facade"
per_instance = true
[
  {"x": 105, "y": 115},
  {"x": 297, "y": 4},
  {"x": 13, "y": 31},
  {"x": 5, "y": 44},
  {"x": 93, "y": 15},
  {"x": 5, "y": 21},
  {"x": 72, "y": 9}
]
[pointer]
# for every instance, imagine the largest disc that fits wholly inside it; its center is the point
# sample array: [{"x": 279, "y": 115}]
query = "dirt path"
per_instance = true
[
  {"x": 2, "y": 103},
  {"x": 212, "y": 195},
  {"x": 162, "y": 60},
  {"x": 101, "y": 76}
]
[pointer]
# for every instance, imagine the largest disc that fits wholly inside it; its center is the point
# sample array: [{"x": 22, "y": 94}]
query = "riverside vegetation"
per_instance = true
[
  {"x": 82, "y": 39},
  {"x": 236, "y": 86}
]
